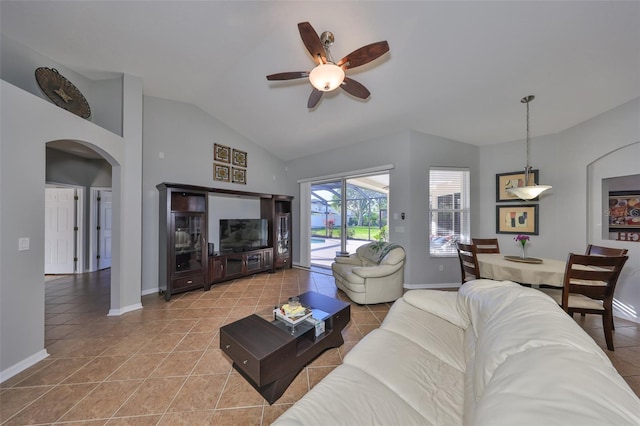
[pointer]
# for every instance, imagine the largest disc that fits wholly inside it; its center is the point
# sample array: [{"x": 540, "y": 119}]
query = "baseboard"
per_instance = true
[
  {"x": 118, "y": 312},
  {"x": 23, "y": 365},
  {"x": 150, "y": 291},
  {"x": 430, "y": 286}
]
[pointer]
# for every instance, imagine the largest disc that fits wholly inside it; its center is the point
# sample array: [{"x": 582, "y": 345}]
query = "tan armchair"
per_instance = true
[{"x": 373, "y": 274}]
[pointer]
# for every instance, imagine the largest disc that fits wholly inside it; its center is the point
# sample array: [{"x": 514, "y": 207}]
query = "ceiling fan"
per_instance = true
[{"x": 328, "y": 75}]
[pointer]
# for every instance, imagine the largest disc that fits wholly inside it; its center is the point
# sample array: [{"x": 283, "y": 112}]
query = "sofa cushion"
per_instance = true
[
  {"x": 424, "y": 379},
  {"x": 566, "y": 389},
  {"x": 508, "y": 319},
  {"x": 429, "y": 331},
  {"x": 351, "y": 396},
  {"x": 440, "y": 303}
]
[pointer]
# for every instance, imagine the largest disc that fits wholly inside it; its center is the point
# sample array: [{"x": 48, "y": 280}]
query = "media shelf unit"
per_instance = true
[{"x": 184, "y": 261}]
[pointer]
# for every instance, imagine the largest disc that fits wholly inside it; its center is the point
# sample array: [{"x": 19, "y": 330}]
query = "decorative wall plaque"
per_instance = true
[
  {"x": 221, "y": 153},
  {"x": 239, "y": 175},
  {"x": 239, "y": 158},
  {"x": 221, "y": 172},
  {"x": 62, "y": 92}
]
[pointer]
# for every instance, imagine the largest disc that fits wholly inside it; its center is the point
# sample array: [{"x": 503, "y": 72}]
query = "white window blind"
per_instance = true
[{"x": 449, "y": 211}]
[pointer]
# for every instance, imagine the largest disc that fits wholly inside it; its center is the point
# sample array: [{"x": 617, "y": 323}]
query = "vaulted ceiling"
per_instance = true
[{"x": 455, "y": 69}]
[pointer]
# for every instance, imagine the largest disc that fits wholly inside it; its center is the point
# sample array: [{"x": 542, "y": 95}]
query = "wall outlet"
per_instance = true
[{"x": 441, "y": 268}]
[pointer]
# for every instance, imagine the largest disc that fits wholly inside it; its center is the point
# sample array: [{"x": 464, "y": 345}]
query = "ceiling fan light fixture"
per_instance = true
[{"x": 326, "y": 77}]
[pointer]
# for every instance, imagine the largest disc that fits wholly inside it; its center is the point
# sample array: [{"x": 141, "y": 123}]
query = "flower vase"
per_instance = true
[{"x": 523, "y": 253}]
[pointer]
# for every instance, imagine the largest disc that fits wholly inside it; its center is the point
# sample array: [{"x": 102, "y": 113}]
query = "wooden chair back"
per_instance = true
[
  {"x": 486, "y": 245},
  {"x": 593, "y": 250},
  {"x": 468, "y": 262},
  {"x": 592, "y": 277}
]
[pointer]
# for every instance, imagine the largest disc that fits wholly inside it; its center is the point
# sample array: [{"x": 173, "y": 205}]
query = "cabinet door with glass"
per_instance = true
[
  {"x": 188, "y": 243},
  {"x": 283, "y": 240},
  {"x": 182, "y": 234}
]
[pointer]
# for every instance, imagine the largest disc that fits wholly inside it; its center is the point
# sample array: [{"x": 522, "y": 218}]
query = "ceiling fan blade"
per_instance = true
[
  {"x": 288, "y": 75},
  {"x": 312, "y": 42},
  {"x": 364, "y": 55},
  {"x": 354, "y": 88},
  {"x": 314, "y": 98}
]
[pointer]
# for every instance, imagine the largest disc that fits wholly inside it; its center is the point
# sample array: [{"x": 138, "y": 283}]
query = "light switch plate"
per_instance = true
[{"x": 23, "y": 244}]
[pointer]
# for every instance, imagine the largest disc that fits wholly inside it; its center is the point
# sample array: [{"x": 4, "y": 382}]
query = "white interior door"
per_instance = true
[
  {"x": 59, "y": 235},
  {"x": 104, "y": 233}
]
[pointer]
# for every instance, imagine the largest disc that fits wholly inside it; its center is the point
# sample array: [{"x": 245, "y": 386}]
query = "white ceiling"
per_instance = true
[{"x": 455, "y": 69}]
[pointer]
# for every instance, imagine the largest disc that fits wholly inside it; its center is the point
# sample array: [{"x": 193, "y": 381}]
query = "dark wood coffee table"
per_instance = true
[{"x": 269, "y": 356}]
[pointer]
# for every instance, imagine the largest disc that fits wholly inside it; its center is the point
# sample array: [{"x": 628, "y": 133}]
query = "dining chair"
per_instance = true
[
  {"x": 588, "y": 287},
  {"x": 486, "y": 245},
  {"x": 593, "y": 250},
  {"x": 468, "y": 262}
]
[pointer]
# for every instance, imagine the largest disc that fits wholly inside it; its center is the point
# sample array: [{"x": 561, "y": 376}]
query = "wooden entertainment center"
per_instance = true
[{"x": 185, "y": 262}]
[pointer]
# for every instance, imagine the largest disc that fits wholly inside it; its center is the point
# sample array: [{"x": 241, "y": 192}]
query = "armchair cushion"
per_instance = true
[
  {"x": 379, "y": 252},
  {"x": 350, "y": 260},
  {"x": 375, "y": 271}
]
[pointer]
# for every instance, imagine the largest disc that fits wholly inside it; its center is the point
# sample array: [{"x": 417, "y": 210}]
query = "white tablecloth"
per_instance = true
[{"x": 496, "y": 267}]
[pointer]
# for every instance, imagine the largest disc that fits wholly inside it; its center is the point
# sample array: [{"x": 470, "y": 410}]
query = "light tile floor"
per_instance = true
[{"x": 162, "y": 365}]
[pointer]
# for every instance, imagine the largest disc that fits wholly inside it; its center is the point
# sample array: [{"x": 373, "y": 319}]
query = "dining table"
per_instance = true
[{"x": 532, "y": 271}]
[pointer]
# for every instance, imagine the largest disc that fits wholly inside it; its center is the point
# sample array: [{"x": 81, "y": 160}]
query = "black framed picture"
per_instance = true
[{"x": 517, "y": 219}]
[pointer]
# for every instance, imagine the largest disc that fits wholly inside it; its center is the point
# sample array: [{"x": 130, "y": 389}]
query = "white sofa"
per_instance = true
[
  {"x": 494, "y": 353},
  {"x": 373, "y": 274}
]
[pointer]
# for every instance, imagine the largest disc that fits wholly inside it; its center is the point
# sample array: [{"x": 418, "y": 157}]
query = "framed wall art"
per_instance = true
[
  {"x": 517, "y": 219},
  {"x": 239, "y": 175},
  {"x": 221, "y": 172},
  {"x": 624, "y": 210},
  {"x": 239, "y": 158},
  {"x": 221, "y": 153},
  {"x": 509, "y": 180}
]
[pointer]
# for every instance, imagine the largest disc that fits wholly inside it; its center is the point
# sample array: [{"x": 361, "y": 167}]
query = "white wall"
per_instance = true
[
  {"x": 22, "y": 179},
  {"x": 105, "y": 97},
  {"x": 28, "y": 121},
  {"x": 411, "y": 153},
  {"x": 184, "y": 135}
]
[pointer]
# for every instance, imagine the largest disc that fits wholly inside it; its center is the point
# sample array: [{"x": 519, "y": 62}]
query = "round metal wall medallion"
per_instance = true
[{"x": 62, "y": 92}]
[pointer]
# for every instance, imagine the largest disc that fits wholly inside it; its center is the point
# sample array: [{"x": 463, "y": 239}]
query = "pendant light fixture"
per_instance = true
[{"x": 528, "y": 192}]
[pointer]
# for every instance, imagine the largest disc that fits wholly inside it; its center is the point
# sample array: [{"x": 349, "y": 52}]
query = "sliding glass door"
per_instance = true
[
  {"x": 326, "y": 221},
  {"x": 345, "y": 214}
]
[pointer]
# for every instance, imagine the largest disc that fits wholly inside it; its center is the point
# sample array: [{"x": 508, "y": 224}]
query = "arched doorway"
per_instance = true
[{"x": 77, "y": 208}]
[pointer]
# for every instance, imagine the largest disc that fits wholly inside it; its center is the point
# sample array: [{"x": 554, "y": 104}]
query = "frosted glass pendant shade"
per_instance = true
[
  {"x": 528, "y": 192},
  {"x": 326, "y": 77}
]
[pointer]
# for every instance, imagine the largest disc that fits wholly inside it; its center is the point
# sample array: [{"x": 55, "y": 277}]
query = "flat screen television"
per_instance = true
[{"x": 243, "y": 234}]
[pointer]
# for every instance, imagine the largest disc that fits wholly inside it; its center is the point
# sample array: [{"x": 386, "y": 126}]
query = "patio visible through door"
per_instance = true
[{"x": 347, "y": 213}]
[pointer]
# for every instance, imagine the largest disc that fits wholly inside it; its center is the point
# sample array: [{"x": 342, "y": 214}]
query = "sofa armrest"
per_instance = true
[
  {"x": 349, "y": 260},
  {"x": 376, "y": 271}
]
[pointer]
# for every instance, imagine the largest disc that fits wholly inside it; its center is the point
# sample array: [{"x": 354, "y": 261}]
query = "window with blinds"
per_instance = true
[{"x": 448, "y": 209}]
